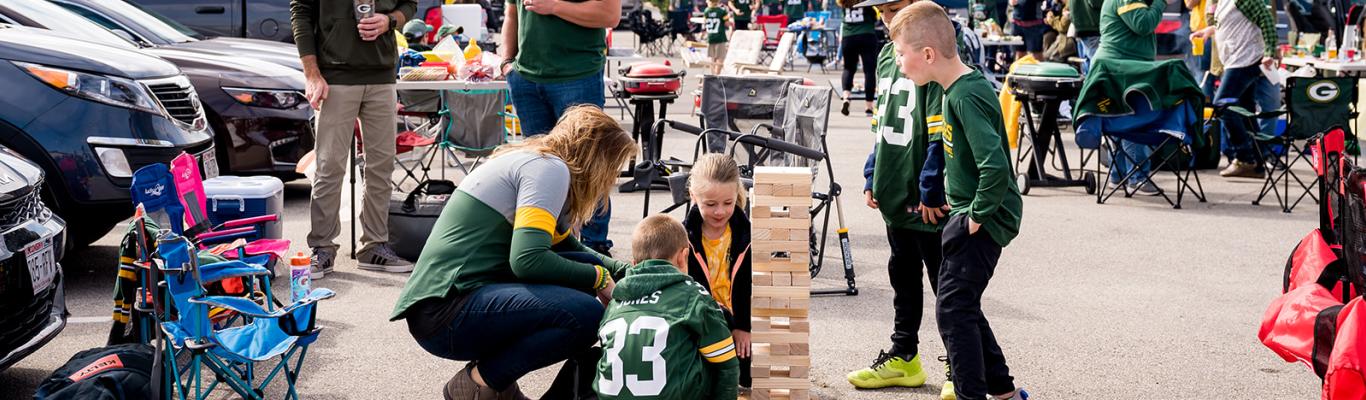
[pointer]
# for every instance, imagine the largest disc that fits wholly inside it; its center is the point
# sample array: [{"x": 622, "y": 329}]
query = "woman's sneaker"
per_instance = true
[
  {"x": 889, "y": 370},
  {"x": 382, "y": 258}
]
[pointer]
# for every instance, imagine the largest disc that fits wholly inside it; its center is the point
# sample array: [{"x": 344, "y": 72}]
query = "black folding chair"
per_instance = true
[{"x": 1313, "y": 106}]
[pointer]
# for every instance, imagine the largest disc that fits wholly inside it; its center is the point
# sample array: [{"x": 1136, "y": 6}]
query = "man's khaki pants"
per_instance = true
[{"x": 377, "y": 107}]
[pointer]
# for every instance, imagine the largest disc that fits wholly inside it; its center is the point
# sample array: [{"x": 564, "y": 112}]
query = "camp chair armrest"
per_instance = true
[
  {"x": 226, "y": 234},
  {"x": 751, "y": 67},
  {"x": 248, "y": 221},
  {"x": 314, "y": 296},
  {"x": 230, "y": 269},
  {"x": 241, "y": 305}
]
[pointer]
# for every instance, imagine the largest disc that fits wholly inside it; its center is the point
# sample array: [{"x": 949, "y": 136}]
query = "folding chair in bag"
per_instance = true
[
  {"x": 1313, "y": 106},
  {"x": 273, "y": 337},
  {"x": 786, "y": 124}
]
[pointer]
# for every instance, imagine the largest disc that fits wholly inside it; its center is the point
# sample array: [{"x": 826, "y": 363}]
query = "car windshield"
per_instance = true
[
  {"x": 53, "y": 17},
  {"x": 156, "y": 23}
]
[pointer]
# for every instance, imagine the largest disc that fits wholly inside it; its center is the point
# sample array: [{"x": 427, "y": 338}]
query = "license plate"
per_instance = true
[
  {"x": 42, "y": 264},
  {"x": 209, "y": 164}
]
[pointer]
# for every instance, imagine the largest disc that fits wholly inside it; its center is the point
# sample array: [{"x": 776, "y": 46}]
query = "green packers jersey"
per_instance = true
[
  {"x": 908, "y": 118},
  {"x": 714, "y": 22},
  {"x": 743, "y": 9},
  {"x": 663, "y": 337}
]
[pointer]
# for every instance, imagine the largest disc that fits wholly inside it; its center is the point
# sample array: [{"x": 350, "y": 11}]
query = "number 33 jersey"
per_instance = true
[{"x": 664, "y": 337}]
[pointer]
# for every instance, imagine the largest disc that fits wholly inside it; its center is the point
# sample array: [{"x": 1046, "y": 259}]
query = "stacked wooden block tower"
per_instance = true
[{"x": 781, "y": 252}]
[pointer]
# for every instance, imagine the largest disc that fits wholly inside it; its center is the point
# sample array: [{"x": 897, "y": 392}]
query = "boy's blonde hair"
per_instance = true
[
  {"x": 925, "y": 24},
  {"x": 717, "y": 169},
  {"x": 593, "y": 146},
  {"x": 659, "y": 237}
]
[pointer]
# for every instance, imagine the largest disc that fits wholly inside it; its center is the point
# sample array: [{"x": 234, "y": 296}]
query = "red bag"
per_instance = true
[
  {"x": 1311, "y": 256},
  {"x": 1346, "y": 376},
  {"x": 1288, "y": 325}
]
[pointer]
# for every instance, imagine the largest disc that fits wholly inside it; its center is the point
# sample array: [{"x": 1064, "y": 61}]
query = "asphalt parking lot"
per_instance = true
[{"x": 1130, "y": 299}]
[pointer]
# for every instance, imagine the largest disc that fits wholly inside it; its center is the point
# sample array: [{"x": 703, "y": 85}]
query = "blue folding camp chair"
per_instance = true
[{"x": 269, "y": 334}]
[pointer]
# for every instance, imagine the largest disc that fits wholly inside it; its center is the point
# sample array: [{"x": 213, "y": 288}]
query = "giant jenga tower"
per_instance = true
[{"x": 782, "y": 283}]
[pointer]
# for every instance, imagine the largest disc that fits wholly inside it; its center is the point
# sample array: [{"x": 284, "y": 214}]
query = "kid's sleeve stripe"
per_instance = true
[
  {"x": 534, "y": 217},
  {"x": 723, "y": 357},
  {"x": 728, "y": 342},
  {"x": 1130, "y": 7}
]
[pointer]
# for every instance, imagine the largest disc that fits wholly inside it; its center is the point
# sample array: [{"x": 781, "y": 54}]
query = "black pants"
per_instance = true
[
  {"x": 861, "y": 48},
  {"x": 741, "y": 24},
  {"x": 911, "y": 250},
  {"x": 978, "y": 366}
]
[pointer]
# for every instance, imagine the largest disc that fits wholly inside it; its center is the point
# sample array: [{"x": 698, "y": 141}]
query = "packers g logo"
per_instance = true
[
  {"x": 364, "y": 8},
  {"x": 1324, "y": 91}
]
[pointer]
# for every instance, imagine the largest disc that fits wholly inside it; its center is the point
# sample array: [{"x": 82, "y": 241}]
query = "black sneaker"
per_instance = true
[
  {"x": 382, "y": 258},
  {"x": 844, "y": 109},
  {"x": 320, "y": 264}
]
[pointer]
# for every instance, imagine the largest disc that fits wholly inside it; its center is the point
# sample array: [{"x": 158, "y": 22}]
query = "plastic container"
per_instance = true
[
  {"x": 299, "y": 280},
  {"x": 237, "y": 197}
]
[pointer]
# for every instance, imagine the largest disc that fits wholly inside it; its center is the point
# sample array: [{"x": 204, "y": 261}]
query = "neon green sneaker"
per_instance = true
[
  {"x": 889, "y": 370},
  {"x": 947, "y": 393}
]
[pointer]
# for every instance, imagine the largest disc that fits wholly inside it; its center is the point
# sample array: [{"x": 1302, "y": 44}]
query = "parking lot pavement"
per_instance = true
[{"x": 1130, "y": 299}]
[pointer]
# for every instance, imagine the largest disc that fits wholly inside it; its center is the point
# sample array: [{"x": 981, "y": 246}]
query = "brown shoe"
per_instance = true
[
  {"x": 462, "y": 387},
  {"x": 1239, "y": 169},
  {"x": 512, "y": 393}
]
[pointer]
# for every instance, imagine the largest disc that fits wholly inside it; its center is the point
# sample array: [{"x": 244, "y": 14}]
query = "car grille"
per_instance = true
[
  {"x": 25, "y": 208},
  {"x": 22, "y": 315},
  {"x": 178, "y": 98}
]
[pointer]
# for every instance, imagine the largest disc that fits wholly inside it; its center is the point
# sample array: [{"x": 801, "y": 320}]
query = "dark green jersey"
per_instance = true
[
  {"x": 977, "y": 174},
  {"x": 551, "y": 49},
  {"x": 859, "y": 21},
  {"x": 664, "y": 337},
  {"x": 903, "y": 137},
  {"x": 1128, "y": 29},
  {"x": 714, "y": 22},
  {"x": 744, "y": 9},
  {"x": 794, "y": 9}
]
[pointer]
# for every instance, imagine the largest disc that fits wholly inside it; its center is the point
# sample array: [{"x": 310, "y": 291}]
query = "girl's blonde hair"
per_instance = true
[
  {"x": 593, "y": 146},
  {"x": 717, "y": 168}
]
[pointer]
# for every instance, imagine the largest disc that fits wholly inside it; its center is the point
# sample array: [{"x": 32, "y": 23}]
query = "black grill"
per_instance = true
[
  {"x": 22, "y": 209},
  {"x": 178, "y": 101}
]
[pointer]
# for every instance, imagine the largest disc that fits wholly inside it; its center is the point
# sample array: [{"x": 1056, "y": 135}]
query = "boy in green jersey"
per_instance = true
[
  {"x": 663, "y": 336},
  {"x": 715, "y": 22},
  {"x": 979, "y": 186}
]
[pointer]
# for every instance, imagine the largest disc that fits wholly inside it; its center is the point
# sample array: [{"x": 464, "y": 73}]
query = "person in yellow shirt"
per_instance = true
[{"x": 718, "y": 231}]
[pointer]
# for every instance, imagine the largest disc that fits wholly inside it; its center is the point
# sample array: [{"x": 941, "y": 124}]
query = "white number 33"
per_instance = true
[{"x": 615, "y": 332}]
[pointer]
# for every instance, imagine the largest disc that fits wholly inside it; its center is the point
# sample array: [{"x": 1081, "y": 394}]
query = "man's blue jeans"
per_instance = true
[
  {"x": 1239, "y": 87},
  {"x": 539, "y": 106},
  {"x": 1086, "y": 49},
  {"x": 1120, "y": 165}
]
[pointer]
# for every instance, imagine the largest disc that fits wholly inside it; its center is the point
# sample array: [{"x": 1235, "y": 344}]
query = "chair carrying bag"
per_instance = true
[
  {"x": 122, "y": 371},
  {"x": 412, "y": 215}
]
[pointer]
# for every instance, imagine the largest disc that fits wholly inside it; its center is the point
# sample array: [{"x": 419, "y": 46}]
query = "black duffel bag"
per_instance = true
[
  {"x": 121, "y": 371},
  {"x": 412, "y": 216}
]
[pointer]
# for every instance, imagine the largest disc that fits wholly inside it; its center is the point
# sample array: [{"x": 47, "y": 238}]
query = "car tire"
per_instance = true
[{"x": 92, "y": 228}]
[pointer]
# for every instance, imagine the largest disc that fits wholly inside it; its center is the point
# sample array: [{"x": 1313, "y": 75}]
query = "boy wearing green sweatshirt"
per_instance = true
[
  {"x": 663, "y": 336},
  {"x": 984, "y": 200}
]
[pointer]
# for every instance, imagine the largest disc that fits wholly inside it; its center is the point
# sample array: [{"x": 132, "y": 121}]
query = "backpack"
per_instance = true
[{"x": 121, "y": 371}]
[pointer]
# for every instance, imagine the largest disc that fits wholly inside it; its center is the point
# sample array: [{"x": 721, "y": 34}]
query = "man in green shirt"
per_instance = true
[
  {"x": 1128, "y": 29},
  {"x": 744, "y": 10},
  {"x": 554, "y": 52},
  {"x": 980, "y": 187},
  {"x": 796, "y": 9}
]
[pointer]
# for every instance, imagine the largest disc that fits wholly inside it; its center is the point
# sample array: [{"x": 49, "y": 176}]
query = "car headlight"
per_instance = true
[
  {"x": 270, "y": 98},
  {"x": 105, "y": 89}
]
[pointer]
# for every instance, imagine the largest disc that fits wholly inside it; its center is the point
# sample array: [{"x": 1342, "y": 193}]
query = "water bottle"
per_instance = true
[
  {"x": 1332, "y": 47},
  {"x": 1349, "y": 43},
  {"x": 299, "y": 280}
]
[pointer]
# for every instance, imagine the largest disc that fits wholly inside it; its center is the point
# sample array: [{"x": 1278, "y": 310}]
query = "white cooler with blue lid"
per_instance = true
[{"x": 236, "y": 197}]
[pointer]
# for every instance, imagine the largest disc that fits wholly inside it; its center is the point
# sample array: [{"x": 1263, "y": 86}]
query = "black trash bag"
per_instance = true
[{"x": 122, "y": 371}]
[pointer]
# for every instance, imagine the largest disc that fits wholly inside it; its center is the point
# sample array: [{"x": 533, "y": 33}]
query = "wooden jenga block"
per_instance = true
[
  {"x": 781, "y": 279},
  {"x": 801, "y": 279},
  {"x": 780, "y": 337},
  {"x": 789, "y": 292},
  {"x": 759, "y": 302},
  {"x": 799, "y": 394},
  {"x": 799, "y": 349},
  {"x": 782, "y": 190},
  {"x": 766, "y": 189},
  {"x": 757, "y": 212},
  {"x": 780, "y": 349},
  {"x": 797, "y": 234},
  {"x": 790, "y": 201},
  {"x": 782, "y": 383},
  {"x": 766, "y": 174},
  {"x": 799, "y": 325},
  {"x": 772, "y": 264},
  {"x": 781, "y": 223},
  {"x": 763, "y": 278},
  {"x": 765, "y": 234}
]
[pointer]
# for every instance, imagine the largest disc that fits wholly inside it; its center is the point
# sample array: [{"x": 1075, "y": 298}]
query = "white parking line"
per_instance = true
[{"x": 88, "y": 320}]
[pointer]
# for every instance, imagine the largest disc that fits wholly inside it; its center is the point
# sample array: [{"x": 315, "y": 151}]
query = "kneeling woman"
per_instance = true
[{"x": 501, "y": 282}]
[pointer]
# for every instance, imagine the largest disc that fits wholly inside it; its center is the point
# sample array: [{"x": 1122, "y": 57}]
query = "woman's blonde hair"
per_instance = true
[
  {"x": 717, "y": 168},
  {"x": 593, "y": 146}
]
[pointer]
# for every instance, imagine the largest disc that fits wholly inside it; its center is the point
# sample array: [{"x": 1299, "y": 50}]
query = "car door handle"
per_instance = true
[{"x": 210, "y": 10}]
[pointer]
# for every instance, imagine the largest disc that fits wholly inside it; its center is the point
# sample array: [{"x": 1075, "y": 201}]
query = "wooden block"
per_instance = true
[
  {"x": 759, "y": 372},
  {"x": 778, "y": 312},
  {"x": 770, "y": 246},
  {"x": 780, "y": 266},
  {"x": 799, "y": 372},
  {"x": 781, "y": 223},
  {"x": 778, "y": 302},
  {"x": 799, "y": 212},
  {"x": 767, "y": 189},
  {"x": 776, "y": 292},
  {"x": 799, "y": 325},
  {"x": 782, "y": 360},
  {"x": 779, "y": 279},
  {"x": 782, "y": 383},
  {"x": 780, "y": 337},
  {"x": 797, "y": 234},
  {"x": 779, "y": 349},
  {"x": 767, "y": 174},
  {"x": 766, "y": 234},
  {"x": 798, "y": 349},
  {"x": 799, "y": 394},
  {"x": 760, "y": 212},
  {"x": 801, "y": 279},
  {"x": 765, "y": 278},
  {"x": 799, "y": 303},
  {"x": 792, "y": 201},
  {"x": 758, "y": 324},
  {"x": 782, "y": 190}
]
